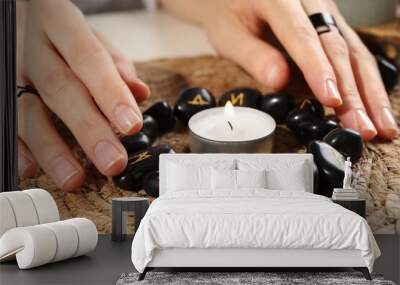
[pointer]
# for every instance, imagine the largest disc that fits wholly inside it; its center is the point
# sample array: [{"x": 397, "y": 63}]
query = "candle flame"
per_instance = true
[{"x": 229, "y": 111}]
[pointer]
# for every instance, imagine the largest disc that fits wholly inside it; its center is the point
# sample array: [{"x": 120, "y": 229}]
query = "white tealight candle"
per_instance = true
[{"x": 231, "y": 129}]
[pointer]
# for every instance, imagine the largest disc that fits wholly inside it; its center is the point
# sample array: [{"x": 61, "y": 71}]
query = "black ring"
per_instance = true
[
  {"x": 26, "y": 89},
  {"x": 324, "y": 20}
]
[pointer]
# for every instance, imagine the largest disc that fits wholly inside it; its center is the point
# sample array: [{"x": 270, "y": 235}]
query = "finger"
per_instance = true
[
  {"x": 49, "y": 150},
  {"x": 261, "y": 60},
  {"x": 126, "y": 69},
  {"x": 27, "y": 166},
  {"x": 294, "y": 30},
  {"x": 66, "y": 96},
  {"x": 352, "y": 112},
  {"x": 92, "y": 64},
  {"x": 369, "y": 81}
]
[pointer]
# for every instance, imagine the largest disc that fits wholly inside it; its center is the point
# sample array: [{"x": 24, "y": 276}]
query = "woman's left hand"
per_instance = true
[{"x": 337, "y": 66}]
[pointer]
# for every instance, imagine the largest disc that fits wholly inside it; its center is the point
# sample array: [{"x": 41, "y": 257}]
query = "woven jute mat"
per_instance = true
[{"x": 377, "y": 174}]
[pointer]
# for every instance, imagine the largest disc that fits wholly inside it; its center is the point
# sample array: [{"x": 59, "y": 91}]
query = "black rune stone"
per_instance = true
[
  {"x": 151, "y": 184},
  {"x": 139, "y": 164},
  {"x": 347, "y": 141},
  {"x": 315, "y": 130},
  {"x": 242, "y": 97},
  {"x": 192, "y": 101},
  {"x": 278, "y": 105},
  {"x": 389, "y": 72},
  {"x": 150, "y": 128},
  {"x": 330, "y": 163},
  {"x": 312, "y": 105},
  {"x": 163, "y": 114},
  {"x": 309, "y": 110},
  {"x": 297, "y": 117},
  {"x": 135, "y": 142}
]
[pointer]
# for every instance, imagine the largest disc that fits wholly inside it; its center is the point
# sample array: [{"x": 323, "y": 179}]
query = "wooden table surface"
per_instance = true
[{"x": 376, "y": 175}]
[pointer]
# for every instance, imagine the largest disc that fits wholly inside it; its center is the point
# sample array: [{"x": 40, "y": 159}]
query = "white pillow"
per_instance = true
[
  {"x": 183, "y": 178},
  {"x": 223, "y": 179},
  {"x": 281, "y": 174},
  {"x": 186, "y": 175},
  {"x": 251, "y": 178},
  {"x": 295, "y": 182}
]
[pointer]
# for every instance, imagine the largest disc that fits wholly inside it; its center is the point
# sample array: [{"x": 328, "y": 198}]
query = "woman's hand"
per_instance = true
[
  {"x": 338, "y": 68},
  {"x": 84, "y": 81}
]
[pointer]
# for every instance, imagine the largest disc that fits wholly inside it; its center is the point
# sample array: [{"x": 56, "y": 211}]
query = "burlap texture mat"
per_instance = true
[{"x": 377, "y": 174}]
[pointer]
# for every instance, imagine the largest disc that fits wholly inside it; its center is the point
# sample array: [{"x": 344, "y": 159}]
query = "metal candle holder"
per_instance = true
[{"x": 261, "y": 144}]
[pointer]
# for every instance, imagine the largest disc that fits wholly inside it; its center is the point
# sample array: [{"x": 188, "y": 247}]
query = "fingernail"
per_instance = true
[
  {"x": 333, "y": 93},
  {"x": 106, "y": 155},
  {"x": 388, "y": 123},
  {"x": 365, "y": 125},
  {"x": 272, "y": 76},
  {"x": 62, "y": 170},
  {"x": 126, "y": 117}
]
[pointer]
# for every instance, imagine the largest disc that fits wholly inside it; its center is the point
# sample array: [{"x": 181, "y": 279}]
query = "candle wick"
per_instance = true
[{"x": 230, "y": 125}]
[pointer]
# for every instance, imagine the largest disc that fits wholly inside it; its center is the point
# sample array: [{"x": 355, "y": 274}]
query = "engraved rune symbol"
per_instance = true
[
  {"x": 304, "y": 103},
  {"x": 198, "y": 100},
  {"x": 139, "y": 157},
  {"x": 237, "y": 99}
]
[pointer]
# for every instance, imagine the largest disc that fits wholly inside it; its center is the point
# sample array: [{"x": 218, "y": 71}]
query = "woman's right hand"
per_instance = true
[
  {"x": 84, "y": 81},
  {"x": 337, "y": 66}
]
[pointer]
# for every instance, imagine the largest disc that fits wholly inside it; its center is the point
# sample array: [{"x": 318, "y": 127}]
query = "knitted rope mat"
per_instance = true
[{"x": 376, "y": 175}]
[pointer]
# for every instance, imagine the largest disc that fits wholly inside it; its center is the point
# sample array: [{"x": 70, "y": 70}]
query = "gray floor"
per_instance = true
[
  {"x": 103, "y": 266},
  {"x": 110, "y": 260},
  {"x": 389, "y": 262}
]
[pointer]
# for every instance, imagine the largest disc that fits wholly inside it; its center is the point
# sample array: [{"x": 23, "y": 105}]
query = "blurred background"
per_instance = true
[{"x": 160, "y": 34}]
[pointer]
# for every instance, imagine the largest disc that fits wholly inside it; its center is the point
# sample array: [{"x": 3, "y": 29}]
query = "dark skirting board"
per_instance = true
[{"x": 8, "y": 114}]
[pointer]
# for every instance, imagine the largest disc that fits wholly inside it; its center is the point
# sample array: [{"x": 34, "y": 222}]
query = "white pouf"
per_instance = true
[
  {"x": 87, "y": 233},
  {"x": 23, "y": 208},
  {"x": 46, "y": 207},
  {"x": 31, "y": 232},
  {"x": 32, "y": 246},
  {"x": 67, "y": 240},
  {"x": 26, "y": 208},
  {"x": 7, "y": 218},
  {"x": 41, "y": 244}
]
